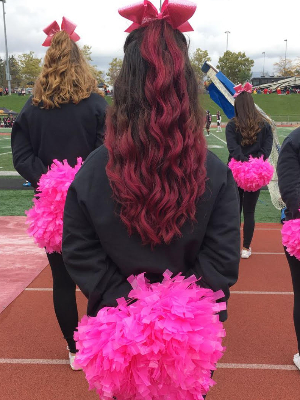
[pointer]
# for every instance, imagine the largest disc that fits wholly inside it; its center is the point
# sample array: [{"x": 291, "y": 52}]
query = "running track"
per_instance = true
[{"x": 260, "y": 337}]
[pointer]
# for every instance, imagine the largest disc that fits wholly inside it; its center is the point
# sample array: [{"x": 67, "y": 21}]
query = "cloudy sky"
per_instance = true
[{"x": 255, "y": 27}]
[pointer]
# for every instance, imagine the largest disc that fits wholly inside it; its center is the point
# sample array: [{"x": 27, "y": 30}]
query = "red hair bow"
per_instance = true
[
  {"x": 239, "y": 89},
  {"x": 175, "y": 12},
  {"x": 66, "y": 26}
]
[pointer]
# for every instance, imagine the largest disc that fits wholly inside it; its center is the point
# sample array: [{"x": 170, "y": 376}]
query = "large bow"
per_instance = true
[
  {"x": 239, "y": 89},
  {"x": 66, "y": 26},
  {"x": 175, "y": 12}
]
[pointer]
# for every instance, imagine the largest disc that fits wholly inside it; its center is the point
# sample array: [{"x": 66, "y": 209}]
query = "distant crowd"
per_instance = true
[
  {"x": 19, "y": 91},
  {"x": 3, "y": 91},
  {"x": 286, "y": 90},
  {"x": 7, "y": 122}
]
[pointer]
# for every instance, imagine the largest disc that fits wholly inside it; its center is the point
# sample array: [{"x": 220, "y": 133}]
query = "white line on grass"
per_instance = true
[
  {"x": 3, "y": 154},
  {"x": 219, "y": 138},
  {"x": 9, "y": 173}
]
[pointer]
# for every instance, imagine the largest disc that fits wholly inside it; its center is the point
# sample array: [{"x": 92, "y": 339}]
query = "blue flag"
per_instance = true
[{"x": 217, "y": 96}]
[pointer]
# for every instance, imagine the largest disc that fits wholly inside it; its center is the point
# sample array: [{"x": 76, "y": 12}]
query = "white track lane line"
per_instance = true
[
  {"x": 41, "y": 361},
  {"x": 264, "y": 293},
  {"x": 43, "y": 290},
  {"x": 258, "y": 366},
  {"x": 267, "y": 253},
  {"x": 32, "y": 361}
]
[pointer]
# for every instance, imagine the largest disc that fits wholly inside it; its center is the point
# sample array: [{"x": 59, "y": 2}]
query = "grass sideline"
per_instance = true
[
  {"x": 16, "y": 103},
  {"x": 284, "y": 108},
  {"x": 16, "y": 202}
]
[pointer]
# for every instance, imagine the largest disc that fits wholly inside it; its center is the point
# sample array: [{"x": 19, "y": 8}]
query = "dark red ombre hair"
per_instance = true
[{"x": 155, "y": 136}]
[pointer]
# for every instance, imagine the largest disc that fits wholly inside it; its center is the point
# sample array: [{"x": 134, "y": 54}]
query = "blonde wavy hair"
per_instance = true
[{"x": 66, "y": 76}]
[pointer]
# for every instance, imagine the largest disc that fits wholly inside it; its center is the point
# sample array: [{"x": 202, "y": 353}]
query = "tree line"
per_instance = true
[
  {"x": 236, "y": 66},
  {"x": 25, "y": 68}
]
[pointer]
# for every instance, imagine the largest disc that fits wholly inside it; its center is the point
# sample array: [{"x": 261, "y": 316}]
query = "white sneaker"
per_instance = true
[
  {"x": 296, "y": 360},
  {"x": 72, "y": 358},
  {"x": 246, "y": 253}
]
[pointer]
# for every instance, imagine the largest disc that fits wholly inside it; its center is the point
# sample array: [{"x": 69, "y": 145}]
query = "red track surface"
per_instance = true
[{"x": 260, "y": 337}]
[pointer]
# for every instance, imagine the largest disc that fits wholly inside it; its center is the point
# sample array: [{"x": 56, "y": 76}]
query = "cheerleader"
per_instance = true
[
  {"x": 288, "y": 170},
  {"x": 248, "y": 134},
  {"x": 152, "y": 198},
  {"x": 63, "y": 120}
]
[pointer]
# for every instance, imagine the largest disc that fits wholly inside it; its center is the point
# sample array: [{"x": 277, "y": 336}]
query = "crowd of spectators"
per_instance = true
[
  {"x": 286, "y": 90},
  {"x": 7, "y": 122},
  {"x": 3, "y": 91}
]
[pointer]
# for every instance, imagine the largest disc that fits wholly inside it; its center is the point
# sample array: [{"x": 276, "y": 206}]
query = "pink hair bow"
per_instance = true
[
  {"x": 175, "y": 12},
  {"x": 66, "y": 26},
  {"x": 239, "y": 89}
]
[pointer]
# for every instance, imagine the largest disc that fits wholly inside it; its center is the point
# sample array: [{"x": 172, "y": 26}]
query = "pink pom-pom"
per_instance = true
[
  {"x": 163, "y": 346},
  {"x": 251, "y": 175},
  {"x": 290, "y": 233},
  {"x": 45, "y": 218}
]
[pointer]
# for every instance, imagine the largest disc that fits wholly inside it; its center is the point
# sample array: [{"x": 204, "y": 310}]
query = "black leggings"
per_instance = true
[
  {"x": 295, "y": 272},
  {"x": 64, "y": 299},
  {"x": 248, "y": 202}
]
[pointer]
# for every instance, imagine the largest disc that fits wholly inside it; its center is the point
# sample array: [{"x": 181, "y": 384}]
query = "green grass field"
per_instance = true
[
  {"x": 15, "y": 202},
  {"x": 280, "y": 108}
]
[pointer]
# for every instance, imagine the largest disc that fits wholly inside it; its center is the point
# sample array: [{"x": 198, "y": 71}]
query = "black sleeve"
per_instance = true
[
  {"x": 288, "y": 170},
  {"x": 234, "y": 148},
  {"x": 29, "y": 166},
  {"x": 267, "y": 142},
  {"x": 101, "y": 123},
  {"x": 218, "y": 260},
  {"x": 87, "y": 263}
]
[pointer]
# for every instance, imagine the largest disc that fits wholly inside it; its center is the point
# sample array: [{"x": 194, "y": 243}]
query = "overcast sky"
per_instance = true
[{"x": 256, "y": 26}]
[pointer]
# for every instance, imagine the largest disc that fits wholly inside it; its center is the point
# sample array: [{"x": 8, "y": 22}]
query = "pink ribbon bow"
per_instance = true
[
  {"x": 175, "y": 12},
  {"x": 66, "y": 26},
  {"x": 239, "y": 89}
]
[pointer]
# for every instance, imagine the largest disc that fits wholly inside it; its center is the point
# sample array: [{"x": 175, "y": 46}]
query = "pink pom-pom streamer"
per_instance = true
[
  {"x": 251, "y": 175},
  {"x": 163, "y": 346},
  {"x": 45, "y": 218},
  {"x": 290, "y": 234}
]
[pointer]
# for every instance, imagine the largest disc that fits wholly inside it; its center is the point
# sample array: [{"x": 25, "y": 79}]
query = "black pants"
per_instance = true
[
  {"x": 295, "y": 272},
  {"x": 248, "y": 202},
  {"x": 64, "y": 299}
]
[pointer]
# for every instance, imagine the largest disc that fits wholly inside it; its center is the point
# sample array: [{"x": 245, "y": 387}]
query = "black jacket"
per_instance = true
[
  {"x": 100, "y": 255},
  {"x": 262, "y": 146},
  {"x": 288, "y": 170},
  {"x": 39, "y": 136}
]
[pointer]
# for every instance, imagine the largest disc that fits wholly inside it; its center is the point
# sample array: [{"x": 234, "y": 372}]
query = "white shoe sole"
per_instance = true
[
  {"x": 296, "y": 360},
  {"x": 245, "y": 257}
]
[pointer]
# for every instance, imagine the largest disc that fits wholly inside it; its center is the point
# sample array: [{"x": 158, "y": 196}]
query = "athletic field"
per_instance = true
[{"x": 15, "y": 199}]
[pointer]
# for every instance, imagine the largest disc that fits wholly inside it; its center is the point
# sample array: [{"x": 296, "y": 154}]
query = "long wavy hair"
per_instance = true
[
  {"x": 154, "y": 135},
  {"x": 248, "y": 119},
  {"x": 66, "y": 76}
]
